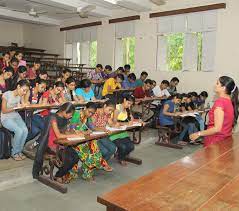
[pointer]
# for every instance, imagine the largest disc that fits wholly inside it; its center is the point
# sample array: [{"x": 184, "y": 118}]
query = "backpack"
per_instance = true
[{"x": 5, "y": 143}]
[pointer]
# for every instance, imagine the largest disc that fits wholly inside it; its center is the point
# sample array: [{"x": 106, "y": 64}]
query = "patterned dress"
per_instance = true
[{"x": 88, "y": 152}]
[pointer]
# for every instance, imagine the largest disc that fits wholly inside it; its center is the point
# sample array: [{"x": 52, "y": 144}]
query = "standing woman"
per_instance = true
[
  {"x": 223, "y": 115},
  {"x": 12, "y": 120}
]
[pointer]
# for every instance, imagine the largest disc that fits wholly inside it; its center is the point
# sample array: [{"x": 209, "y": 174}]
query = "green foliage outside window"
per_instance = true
[
  {"x": 93, "y": 53},
  {"x": 175, "y": 49},
  {"x": 199, "y": 37},
  {"x": 129, "y": 51}
]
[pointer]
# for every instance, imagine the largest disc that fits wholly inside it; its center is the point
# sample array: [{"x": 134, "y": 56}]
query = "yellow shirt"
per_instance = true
[{"x": 110, "y": 84}]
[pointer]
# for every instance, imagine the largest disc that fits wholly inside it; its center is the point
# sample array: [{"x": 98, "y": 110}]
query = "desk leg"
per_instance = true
[
  {"x": 135, "y": 140},
  {"x": 134, "y": 160}
]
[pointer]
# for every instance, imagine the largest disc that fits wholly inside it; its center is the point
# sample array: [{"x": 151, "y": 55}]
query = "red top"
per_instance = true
[
  {"x": 226, "y": 131},
  {"x": 140, "y": 93},
  {"x": 52, "y": 137},
  {"x": 3, "y": 64},
  {"x": 100, "y": 120},
  {"x": 31, "y": 74}
]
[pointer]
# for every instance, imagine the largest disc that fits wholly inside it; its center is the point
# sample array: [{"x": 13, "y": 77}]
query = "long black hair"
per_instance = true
[
  {"x": 232, "y": 90},
  {"x": 68, "y": 107}
]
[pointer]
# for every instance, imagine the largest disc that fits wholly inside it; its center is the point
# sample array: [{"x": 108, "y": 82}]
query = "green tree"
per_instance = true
[
  {"x": 93, "y": 53},
  {"x": 129, "y": 51}
]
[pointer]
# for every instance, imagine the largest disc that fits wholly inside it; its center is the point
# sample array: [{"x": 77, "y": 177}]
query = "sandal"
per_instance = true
[
  {"x": 17, "y": 157},
  {"x": 108, "y": 168}
]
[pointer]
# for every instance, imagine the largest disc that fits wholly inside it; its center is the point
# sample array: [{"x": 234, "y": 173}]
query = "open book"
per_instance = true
[{"x": 192, "y": 114}]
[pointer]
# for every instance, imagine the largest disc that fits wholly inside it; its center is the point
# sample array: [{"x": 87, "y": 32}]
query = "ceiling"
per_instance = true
[{"x": 103, "y": 8}]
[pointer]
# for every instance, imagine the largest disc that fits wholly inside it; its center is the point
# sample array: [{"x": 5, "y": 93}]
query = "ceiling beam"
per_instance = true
[
  {"x": 97, "y": 23},
  {"x": 129, "y": 18},
  {"x": 188, "y": 10}
]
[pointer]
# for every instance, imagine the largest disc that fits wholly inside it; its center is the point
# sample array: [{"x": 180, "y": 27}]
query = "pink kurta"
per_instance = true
[{"x": 226, "y": 131}]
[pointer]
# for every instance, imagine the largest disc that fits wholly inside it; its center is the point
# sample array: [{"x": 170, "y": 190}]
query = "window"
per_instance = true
[
  {"x": 125, "y": 52},
  {"x": 93, "y": 53},
  {"x": 187, "y": 42}
]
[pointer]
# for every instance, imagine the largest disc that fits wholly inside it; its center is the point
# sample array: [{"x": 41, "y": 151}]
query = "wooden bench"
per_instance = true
[
  {"x": 51, "y": 161},
  {"x": 206, "y": 180}
]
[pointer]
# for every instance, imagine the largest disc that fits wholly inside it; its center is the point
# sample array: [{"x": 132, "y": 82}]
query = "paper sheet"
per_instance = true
[
  {"x": 116, "y": 129},
  {"x": 95, "y": 133},
  {"x": 76, "y": 138}
]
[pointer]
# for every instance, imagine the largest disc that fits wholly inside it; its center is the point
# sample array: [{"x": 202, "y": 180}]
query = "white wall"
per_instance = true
[
  {"x": 44, "y": 37},
  {"x": 10, "y": 32}
]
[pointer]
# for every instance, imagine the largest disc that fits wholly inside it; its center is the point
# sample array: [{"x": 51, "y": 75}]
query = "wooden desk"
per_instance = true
[{"x": 206, "y": 180}]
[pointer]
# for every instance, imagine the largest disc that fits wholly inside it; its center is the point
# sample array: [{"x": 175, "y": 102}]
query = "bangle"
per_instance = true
[{"x": 199, "y": 134}]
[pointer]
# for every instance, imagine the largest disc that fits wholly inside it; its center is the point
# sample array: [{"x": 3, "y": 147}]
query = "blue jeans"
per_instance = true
[
  {"x": 36, "y": 127},
  {"x": 18, "y": 126},
  {"x": 107, "y": 148},
  {"x": 200, "y": 122},
  {"x": 97, "y": 90},
  {"x": 188, "y": 129}
]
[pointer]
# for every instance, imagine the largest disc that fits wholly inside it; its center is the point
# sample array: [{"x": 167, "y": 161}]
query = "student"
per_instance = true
[
  {"x": 161, "y": 90},
  {"x": 140, "y": 82},
  {"x": 122, "y": 140},
  {"x": 85, "y": 93},
  {"x": 110, "y": 85},
  {"x": 167, "y": 111},
  {"x": 4, "y": 61},
  {"x": 58, "y": 127},
  {"x": 88, "y": 152},
  {"x": 200, "y": 104},
  {"x": 143, "y": 91},
  {"x": 42, "y": 75},
  {"x": 66, "y": 73},
  {"x": 4, "y": 76},
  {"x": 172, "y": 89},
  {"x": 34, "y": 96},
  {"x": 12, "y": 120},
  {"x": 21, "y": 74},
  {"x": 102, "y": 118},
  {"x": 12, "y": 52},
  {"x": 14, "y": 63},
  {"x": 53, "y": 96},
  {"x": 108, "y": 72},
  {"x": 19, "y": 56},
  {"x": 129, "y": 81},
  {"x": 33, "y": 71},
  {"x": 69, "y": 92},
  {"x": 96, "y": 79},
  {"x": 127, "y": 68},
  {"x": 223, "y": 115}
]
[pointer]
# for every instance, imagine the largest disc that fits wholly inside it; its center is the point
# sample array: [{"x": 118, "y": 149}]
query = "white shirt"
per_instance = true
[{"x": 160, "y": 93}]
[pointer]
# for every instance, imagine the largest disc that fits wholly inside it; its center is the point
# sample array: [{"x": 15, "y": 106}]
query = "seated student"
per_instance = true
[
  {"x": 102, "y": 118},
  {"x": 127, "y": 68},
  {"x": 172, "y": 89},
  {"x": 140, "y": 81},
  {"x": 21, "y": 74},
  {"x": 19, "y": 56},
  {"x": 167, "y": 112},
  {"x": 107, "y": 73},
  {"x": 4, "y": 76},
  {"x": 143, "y": 91},
  {"x": 33, "y": 71},
  {"x": 57, "y": 130},
  {"x": 120, "y": 70},
  {"x": 161, "y": 90},
  {"x": 88, "y": 152},
  {"x": 96, "y": 79},
  {"x": 4, "y": 61},
  {"x": 122, "y": 140},
  {"x": 151, "y": 93},
  {"x": 129, "y": 81},
  {"x": 12, "y": 52},
  {"x": 85, "y": 93},
  {"x": 66, "y": 73},
  {"x": 34, "y": 96},
  {"x": 110, "y": 85},
  {"x": 200, "y": 104},
  {"x": 14, "y": 64},
  {"x": 42, "y": 75},
  {"x": 69, "y": 92},
  {"x": 12, "y": 120}
]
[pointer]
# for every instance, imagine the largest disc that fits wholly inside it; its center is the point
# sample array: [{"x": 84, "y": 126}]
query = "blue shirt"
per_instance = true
[
  {"x": 127, "y": 84},
  {"x": 86, "y": 95},
  {"x": 166, "y": 120}
]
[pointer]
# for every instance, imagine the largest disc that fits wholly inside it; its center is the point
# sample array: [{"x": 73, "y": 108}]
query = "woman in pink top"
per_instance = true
[
  {"x": 223, "y": 115},
  {"x": 19, "y": 56}
]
